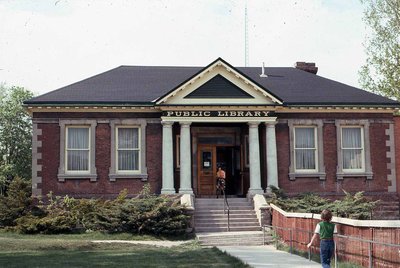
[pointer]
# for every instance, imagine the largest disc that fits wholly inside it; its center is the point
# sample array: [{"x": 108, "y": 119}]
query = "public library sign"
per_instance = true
[{"x": 215, "y": 113}]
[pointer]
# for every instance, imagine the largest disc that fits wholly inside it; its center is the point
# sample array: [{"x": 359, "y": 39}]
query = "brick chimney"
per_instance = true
[{"x": 307, "y": 66}]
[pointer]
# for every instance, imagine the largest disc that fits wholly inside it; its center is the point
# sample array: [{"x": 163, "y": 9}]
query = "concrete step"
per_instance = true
[
  {"x": 232, "y": 211},
  {"x": 225, "y": 229},
  {"x": 224, "y": 220},
  {"x": 213, "y": 207},
  {"x": 223, "y": 216},
  {"x": 225, "y": 224},
  {"x": 246, "y": 238}
]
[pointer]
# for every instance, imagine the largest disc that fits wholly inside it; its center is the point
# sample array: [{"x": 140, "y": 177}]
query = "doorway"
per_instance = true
[{"x": 209, "y": 158}]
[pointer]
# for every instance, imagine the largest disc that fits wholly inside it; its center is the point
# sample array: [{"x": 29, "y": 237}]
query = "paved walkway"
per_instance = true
[
  {"x": 268, "y": 256},
  {"x": 163, "y": 243}
]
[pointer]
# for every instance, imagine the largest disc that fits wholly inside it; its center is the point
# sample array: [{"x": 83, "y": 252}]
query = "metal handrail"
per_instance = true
[
  {"x": 226, "y": 208},
  {"x": 371, "y": 242}
]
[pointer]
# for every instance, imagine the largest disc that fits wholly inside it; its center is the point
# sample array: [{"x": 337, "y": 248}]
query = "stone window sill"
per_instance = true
[
  {"x": 63, "y": 177},
  {"x": 114, "y": 177},
  {"x": 341, "y": 176},
  {"x": 320, "y": 175}
]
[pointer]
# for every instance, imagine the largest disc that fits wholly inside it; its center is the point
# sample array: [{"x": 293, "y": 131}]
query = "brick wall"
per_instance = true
[
  {"x": 103, "y": 187},
  {"x": 397, "y": 151},
  {"x": 331, "y": 186},
  {"x": 50, "y": 138}
]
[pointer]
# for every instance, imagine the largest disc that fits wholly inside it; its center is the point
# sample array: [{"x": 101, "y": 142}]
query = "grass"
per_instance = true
[{"x": 77, "y": 251}]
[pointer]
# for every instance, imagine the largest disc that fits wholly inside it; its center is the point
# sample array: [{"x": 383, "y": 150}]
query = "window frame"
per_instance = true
[
  {"x": 315, "y": 150},
  {"x": 348, "y": 170},
  {"x": 67, "y": 171},
  {"x": 114, "y": 173},
  {"x": 367, "y": 171},
  {"x": 63, "y": 173},
  {"x": 319, "y": 172},
  {"x": 117, "y": 149}
]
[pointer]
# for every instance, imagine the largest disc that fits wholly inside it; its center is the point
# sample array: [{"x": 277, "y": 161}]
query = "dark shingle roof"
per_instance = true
[{"x": 144, "y": 84}]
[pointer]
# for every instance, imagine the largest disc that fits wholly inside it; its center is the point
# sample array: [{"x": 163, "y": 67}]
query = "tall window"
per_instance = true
[
  {"x": 352, "y": 149},
  {"x": 128, "y": 149},
  {"x": 78, "y": 149},
  {"x": 305, "y": 148}
]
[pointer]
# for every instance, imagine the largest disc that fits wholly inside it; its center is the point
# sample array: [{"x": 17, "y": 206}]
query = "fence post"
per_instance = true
[
  {"x": 291, "y": 240},
  {"x": 335, "y": 253},
  {"x": 309, "y": 249},
  {"x": 370, "y": 254}
]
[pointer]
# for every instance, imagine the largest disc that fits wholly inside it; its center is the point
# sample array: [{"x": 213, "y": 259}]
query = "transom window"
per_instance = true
[
  {"x": 78, "y": 149},
  {"x": 128, "y": 149},
  {"x": 352, "y": 148},
  {"x": 305, "y": 147}
]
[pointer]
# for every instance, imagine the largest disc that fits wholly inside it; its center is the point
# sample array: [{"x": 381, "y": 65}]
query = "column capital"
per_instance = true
[
  {"x": 271, "y": 124},
  {"x": 167, "y": 123},
  {"x": 253, "y": 124},
  {"x": 185, "y": 124}
]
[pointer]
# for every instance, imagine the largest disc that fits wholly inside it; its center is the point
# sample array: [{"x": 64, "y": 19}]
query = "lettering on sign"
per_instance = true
[{"x": 215, "y": 113}]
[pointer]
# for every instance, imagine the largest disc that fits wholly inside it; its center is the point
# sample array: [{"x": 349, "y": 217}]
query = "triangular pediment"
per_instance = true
[
  {"x": 218, "y": 87},
  {"x": 219, "y": 84}
]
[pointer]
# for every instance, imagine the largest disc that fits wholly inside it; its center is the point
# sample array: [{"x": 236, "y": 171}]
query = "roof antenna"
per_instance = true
[
  {"x": 246, "y": 38},
  {"x": 263, "y": 71}
]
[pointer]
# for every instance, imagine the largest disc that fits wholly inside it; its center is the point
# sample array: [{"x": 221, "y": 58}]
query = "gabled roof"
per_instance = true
[{"x": 142, "y": 85}]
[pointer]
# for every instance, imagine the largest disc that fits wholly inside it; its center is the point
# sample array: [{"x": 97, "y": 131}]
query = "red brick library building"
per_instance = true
[{"x": 173, "y": 126}]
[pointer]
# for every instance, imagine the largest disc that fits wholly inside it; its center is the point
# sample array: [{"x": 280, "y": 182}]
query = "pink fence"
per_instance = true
[{"x": 366, "y": 243}]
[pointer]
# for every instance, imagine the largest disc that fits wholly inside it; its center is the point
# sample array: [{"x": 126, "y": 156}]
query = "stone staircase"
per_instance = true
[
  {"x": 211, "y": 224},
  {"x": 387, "y": 209}
]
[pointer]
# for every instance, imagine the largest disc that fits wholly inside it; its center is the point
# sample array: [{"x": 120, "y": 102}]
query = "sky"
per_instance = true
[{"x": 48, "y": 44}]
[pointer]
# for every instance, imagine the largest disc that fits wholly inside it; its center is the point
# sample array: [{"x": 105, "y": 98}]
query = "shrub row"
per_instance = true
[
  {"x": 145, "y": 214},
  {"x": 351, "y": 206}
]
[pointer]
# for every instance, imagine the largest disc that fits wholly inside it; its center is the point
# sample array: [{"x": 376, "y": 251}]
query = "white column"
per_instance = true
[
  {"x": 186, "y": 160},
  {"x": 254, "y": 159},
  {"x": 167, "y": 159},
  {"x": 272, "y": 158}
]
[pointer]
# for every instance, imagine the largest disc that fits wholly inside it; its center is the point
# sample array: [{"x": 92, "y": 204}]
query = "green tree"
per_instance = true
[
  {"x": 15, "y": 134},
  {"x": 381, "y": 72}
]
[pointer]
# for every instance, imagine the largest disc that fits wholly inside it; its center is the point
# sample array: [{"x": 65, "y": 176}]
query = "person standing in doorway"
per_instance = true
[
  {"x": 221, "y": 176},
  {"x": 325, "y": 229}
]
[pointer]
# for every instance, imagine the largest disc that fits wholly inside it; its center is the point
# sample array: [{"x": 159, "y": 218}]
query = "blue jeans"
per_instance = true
[{"x": 326, "y": 251}]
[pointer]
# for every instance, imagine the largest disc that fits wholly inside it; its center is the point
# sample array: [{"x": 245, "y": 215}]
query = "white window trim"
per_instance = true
[
  {"x": 120, "y": 171},
  {"x": 68, "y": 149},
  {"x": 367, "y": 170},
  {"x": 315, "y": 150},
  {"x": 319, "y": 172},
  {"x": 114, "y": 173},
  {"x": 63, "y": 173}
]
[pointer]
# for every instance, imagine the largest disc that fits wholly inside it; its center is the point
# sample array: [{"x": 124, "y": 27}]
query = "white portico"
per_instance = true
[{"x": 218, "y": 94}]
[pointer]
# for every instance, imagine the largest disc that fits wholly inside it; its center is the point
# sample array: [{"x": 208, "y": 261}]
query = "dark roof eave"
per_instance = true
[
  {"x": 86, "y": 103},
  {"x": 341, "y": 104}
]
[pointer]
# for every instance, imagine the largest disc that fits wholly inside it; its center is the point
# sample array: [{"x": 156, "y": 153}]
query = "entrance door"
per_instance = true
[{"x": 206, "y": 169}]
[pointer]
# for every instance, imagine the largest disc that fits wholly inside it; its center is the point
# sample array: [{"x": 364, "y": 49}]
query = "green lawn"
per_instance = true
[{"x": 77, "y": 251}]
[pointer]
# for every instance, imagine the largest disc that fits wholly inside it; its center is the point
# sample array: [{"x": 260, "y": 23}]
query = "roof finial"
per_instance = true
[{"x": 263, "y": 71}]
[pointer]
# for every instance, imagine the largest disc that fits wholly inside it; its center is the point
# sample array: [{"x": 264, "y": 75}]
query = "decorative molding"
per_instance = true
[
  {"x": 36, "y": 144},
  {"x": 391, "y": 166},
  {"x": 141, "y": 124},
  {"x": 340, "y": 174},
  {"x": 320, "y": 172},
  {"x": 62, "y": 173},
  {"x": 177, "y": 96}
]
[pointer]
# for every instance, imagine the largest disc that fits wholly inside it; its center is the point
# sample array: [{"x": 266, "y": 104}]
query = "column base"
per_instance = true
[
  {"x": 255, "y": 191},
  {"x": 185, "y": 191},
  {"x": 168, "y": 191}
]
